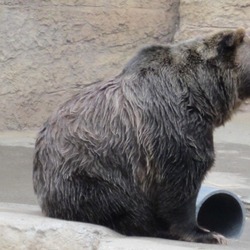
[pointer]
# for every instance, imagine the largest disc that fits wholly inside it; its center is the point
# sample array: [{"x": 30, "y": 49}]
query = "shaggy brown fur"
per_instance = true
[{"x": 131, "y": 153}]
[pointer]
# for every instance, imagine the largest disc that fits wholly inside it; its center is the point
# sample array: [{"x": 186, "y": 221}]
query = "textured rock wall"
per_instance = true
[
  {"x": 50, "y": 48},
  {"x": 199, "y": 17}
]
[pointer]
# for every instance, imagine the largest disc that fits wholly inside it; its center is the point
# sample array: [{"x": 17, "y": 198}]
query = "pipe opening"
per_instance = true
[{"x": 223, "y": 214}]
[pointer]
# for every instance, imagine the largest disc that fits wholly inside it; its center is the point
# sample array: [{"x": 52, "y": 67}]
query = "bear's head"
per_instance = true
[
  {"x": 243, "y": 62},
  {"x": 221, "y": 65},
  {"x": 230, "y": 51}
]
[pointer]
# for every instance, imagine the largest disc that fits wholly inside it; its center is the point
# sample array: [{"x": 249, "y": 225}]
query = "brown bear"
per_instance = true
[{"x": 131, "y": 153}]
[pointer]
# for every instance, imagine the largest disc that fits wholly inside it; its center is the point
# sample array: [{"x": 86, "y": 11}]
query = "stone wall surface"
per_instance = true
[
  {"x": 199, "y": 17},
  {"x": 50, "y": 48}
]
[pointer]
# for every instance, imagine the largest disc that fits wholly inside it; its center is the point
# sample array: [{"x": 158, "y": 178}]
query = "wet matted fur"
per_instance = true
[{"x": 131, "y": 153}]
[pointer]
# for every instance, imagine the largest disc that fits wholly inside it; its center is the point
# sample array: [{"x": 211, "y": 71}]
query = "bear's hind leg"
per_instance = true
[
  {"x": 205, "y": 236},
  {"x": 195, "y": 234},
  {"x": 127, "y": 211},
  {"x": 180, "y": 224},
  {"x": 97, "y": 201}
]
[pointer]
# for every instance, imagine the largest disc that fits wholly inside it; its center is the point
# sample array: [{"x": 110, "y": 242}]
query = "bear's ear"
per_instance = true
[{"x": 231, "y": 39}]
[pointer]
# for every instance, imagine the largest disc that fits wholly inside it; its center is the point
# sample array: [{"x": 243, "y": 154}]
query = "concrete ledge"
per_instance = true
[
  {"x": 24, "y": 227},
  {"x": 18, "y": 138}
]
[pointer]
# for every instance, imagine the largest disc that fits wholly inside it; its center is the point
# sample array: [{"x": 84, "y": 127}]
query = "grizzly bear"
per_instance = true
[{"x": 131, "y": 153}]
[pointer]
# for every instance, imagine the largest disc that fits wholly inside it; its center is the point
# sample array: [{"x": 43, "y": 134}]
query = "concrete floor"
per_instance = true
[{"x": 231, "y": 171}]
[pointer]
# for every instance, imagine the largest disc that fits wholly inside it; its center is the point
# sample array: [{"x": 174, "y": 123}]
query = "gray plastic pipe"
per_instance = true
[{"x": 220, "y": 211}]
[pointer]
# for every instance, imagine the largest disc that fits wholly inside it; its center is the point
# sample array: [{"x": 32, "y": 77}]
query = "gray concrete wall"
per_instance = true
[{"x": 50, "y": 48}]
